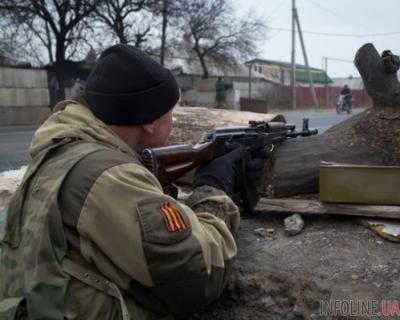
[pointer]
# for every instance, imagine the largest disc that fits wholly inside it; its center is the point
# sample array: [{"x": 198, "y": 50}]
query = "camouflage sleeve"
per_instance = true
[
  {"x": 171, "y": 256},
  {"x": 209, "y": 202}
]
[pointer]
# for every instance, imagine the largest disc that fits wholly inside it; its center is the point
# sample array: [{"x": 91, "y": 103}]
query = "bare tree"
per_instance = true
[
  {"x": 58, "y": 25},
  {"x": 7, "y": 40},
  {"x": 126, "y": 19},
  {"x": 16, "y": 41},
  {"x": 166, "y": 10},
  {"x": 213, "y": 33}
]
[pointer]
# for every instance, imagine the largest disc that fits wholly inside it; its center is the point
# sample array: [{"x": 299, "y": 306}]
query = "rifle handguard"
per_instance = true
[{"x": 171, "y": 162}]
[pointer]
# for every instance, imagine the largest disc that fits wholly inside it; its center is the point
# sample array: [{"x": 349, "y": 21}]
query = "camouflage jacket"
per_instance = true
[{"x": 91, "y": 235}]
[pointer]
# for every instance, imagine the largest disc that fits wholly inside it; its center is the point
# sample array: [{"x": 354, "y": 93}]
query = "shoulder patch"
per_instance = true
[
  {"x": 163, "y": 221},
  {"x": 172, "y": 217}
]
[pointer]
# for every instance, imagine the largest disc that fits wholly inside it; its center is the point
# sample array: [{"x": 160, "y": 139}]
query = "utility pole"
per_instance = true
[
  {"x": 293, "y": 75},
  {"x": 303, "y": 47},
  {"x": 325, "y": 67},
  {"x": 326, "y": 81}
]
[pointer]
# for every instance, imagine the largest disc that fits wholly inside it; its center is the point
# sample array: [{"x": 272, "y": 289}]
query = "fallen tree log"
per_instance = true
[{"x": 372, "y": 137}]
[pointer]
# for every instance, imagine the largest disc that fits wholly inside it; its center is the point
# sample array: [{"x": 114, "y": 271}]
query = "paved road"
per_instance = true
[
  {"x": 322, "y": 120},
  {"x": 14, "y": 145},
  {"x": 14, "y": 141}
]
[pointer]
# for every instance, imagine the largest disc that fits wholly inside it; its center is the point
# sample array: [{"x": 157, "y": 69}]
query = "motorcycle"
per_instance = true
[{"x": 344, "y": 104}]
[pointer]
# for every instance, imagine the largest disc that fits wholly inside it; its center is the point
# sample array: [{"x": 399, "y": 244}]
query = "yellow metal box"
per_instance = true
[{"x": 348, "y": 183}]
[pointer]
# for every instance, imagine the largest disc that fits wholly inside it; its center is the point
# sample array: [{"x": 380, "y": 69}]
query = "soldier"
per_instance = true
[
  {"x": 77, "y": 88},
  {"x": 220, "y": 92},
  {"x": 347, "y": 94},
  {"x": 90, "y": 233}
]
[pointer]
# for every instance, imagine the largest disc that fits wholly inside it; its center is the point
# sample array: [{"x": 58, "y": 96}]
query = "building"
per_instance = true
[
  {"x": 327, "y": 90},
  {"x": 197, "y": 91},
  {"x": 280, "y": 72}
]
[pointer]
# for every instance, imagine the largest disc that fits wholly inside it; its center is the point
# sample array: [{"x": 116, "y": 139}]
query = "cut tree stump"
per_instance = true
[{"x": 315, "y": 207}]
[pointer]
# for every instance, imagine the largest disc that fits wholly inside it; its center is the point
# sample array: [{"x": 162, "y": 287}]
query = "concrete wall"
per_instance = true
[
  {"x": 264, "y": 94},
  {"x": 199, "y": 98},
  {"x": 195, "y": 97},
  {"x": 13, "y": 116},
  {"x": 258, "y": 89},
  {"x": 253, "y": 105},
  {"x": 24, "y": 96},
  {"x": 22, "y": 78}
]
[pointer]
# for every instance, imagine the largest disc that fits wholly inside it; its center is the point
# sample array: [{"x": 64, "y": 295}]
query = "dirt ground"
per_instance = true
[
  {"x": 291, "y": 277},
  {"x": 282, "y": 277},
  {"x": 279, "y": 277},
  {"x": 286, "y": 278}
]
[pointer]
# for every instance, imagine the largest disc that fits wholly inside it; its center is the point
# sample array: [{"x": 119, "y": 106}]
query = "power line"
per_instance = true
[
  {"x": 323, "y": 8},
  {"x": 341, "y": 60},
  {"x": 325, "y": 60},
  {"x": 342, "y": 34},
  {"x": 274, "y": 35},
  {"x": 332, "y": 12}
]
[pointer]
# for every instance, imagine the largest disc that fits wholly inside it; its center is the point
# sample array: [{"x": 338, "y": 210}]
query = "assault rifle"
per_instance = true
[{"x": 171, "y": 162}]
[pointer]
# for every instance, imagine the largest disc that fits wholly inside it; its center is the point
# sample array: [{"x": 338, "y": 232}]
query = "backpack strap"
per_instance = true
[{"x": 96, "y": 281}]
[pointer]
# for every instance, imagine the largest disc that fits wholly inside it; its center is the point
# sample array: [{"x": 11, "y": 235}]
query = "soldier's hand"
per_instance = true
[
  {"x": 221, "y": 172},
  {"x": 253, "y": 178},
  {"x": 255, "y": 172}
]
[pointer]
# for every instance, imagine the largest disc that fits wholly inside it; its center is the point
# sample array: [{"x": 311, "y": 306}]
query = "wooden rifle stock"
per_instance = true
[{"x": 171, "y": 162}]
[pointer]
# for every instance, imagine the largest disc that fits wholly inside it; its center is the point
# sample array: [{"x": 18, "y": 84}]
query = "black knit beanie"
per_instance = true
[{"x": 127, "y": 87}]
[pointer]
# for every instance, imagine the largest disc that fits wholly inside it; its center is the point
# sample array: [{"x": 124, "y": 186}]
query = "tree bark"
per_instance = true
[
  {"x": 203, "y": 65},
  {"x": 371, "y": 138},
  {"x": 60, "y": 66},
  {"x": 382, "y": 86},
  {"x": 164, "y": 31}
]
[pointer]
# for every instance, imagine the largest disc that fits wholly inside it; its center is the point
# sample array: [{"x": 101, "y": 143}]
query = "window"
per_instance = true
[
  {"x": 255, "y": 68},
  {"x": 259, "y": 69}
]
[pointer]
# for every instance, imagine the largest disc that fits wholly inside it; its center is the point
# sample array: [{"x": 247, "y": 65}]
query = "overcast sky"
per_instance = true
[{"x": 345, "y": 17}]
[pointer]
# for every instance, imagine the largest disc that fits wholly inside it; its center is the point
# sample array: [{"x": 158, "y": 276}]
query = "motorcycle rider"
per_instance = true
[{"x": 347, "y": 95}]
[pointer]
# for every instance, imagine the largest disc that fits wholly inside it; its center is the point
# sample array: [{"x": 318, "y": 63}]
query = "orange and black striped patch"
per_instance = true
[{"x": 173, "y": 219}]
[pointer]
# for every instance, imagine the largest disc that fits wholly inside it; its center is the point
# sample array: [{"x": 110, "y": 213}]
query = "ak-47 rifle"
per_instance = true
[{"x": 171, "y": 162}]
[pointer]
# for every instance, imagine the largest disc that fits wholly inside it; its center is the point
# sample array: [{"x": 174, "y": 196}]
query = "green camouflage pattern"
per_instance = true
[
  {"x": 121, "y": 270},
  {"x": 33, "y": 244},
  {"x": 207, "y": 199}
]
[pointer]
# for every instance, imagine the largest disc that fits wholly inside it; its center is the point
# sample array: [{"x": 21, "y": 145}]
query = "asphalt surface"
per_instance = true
[
  {"x": 15, "y": 141},
  {"x": 14, "y": 146},
  {"x": 321, "y": 120}
]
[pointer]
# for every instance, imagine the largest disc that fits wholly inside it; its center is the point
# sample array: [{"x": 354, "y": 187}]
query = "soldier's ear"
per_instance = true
[{"x": 148, "y": 128}]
